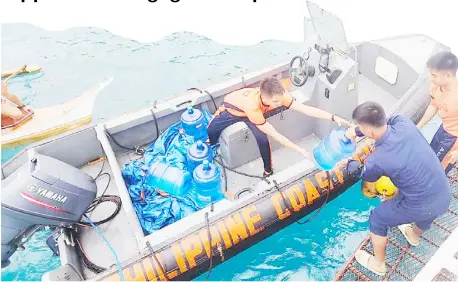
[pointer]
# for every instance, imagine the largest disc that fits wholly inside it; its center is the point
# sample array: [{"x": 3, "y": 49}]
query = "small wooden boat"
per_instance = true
[
  {"x": 53, "y": 120},
  {"x": 27, "y": 70}
]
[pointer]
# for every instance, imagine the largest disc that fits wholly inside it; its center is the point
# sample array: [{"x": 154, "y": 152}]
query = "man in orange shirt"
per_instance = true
[
  {"x": 252, "y": 106},
  {"x": 444, "y": 99}
]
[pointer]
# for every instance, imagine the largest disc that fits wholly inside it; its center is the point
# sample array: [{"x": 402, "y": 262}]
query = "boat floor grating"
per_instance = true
[{"x": 403, "y": 261}]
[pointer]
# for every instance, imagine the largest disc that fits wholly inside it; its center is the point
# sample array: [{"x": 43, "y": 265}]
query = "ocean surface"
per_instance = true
[{"x": 77, "y": 59}]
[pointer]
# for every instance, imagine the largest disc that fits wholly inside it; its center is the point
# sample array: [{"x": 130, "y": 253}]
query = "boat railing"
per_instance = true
[{"x": 179, "y": 102}]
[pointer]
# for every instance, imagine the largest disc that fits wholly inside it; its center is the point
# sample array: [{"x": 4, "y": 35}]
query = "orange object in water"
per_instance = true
[{"x": 382, "y": 187}]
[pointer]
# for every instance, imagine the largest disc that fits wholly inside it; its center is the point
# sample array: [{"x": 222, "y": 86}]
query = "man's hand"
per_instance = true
[
  {"x": 453, "y": 157},
  {"x": 25, "y": 110},
  {"x": 342, "y": 122},
  {"x": 351, "y": 133}
]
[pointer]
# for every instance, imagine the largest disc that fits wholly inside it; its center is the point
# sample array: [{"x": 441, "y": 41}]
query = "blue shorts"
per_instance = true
[
  {"x": 391, "y": 214},
  {"x": 442, "y": 144}
]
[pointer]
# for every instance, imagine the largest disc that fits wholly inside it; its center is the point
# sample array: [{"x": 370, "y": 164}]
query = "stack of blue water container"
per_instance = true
[
  {"x": 201, "y": 169},
  {"x": 206, "y": 175}
]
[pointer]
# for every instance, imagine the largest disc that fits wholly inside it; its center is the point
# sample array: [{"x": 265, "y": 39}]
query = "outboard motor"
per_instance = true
[{"x": 43, "y": 191}]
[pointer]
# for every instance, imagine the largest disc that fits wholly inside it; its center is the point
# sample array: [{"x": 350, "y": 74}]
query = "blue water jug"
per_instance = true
[
  {"x": 197, "y": 153},
  {"x": 332, "y": 149},
  {"x": 169, "y": 179},
  {"x": 207, "y": 180},
  {"x": 193, "y": 123}
]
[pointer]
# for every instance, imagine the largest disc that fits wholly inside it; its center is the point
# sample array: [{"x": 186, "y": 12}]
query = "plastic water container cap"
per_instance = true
[
  {"x": 191, "y": 115},
  {"x": 200, "y": 145},
  {"x": 206, "y": 164},
  {"x": 205, "y": 172},
  {"x": 199, "y": 150},
  {"x": 345, "y": 139}
]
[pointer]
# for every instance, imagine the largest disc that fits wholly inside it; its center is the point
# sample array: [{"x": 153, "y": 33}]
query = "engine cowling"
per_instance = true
[{"x": 43, "y": 191}]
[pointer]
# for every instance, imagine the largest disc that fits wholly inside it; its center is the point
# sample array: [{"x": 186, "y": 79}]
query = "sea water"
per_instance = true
[{"x": 76, "y": 59}]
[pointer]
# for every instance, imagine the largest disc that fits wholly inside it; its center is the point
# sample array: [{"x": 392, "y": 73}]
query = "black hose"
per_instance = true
[
  {"x": 208, "y": 93},
  {"x": 109, "y": 198},
  {"x": 242, "y": 173},
  {"x": 85, "y": 260},
  {"x": 101, "y": 199},
  {"x": 101, "y": 169},
  {"x": 136, "y": 149},
  {"x": 220, "y": 162},
  {"x": 116, "y": 142},
  {"x": 106, "y": 198},
  {"x": 276, "y": 186},
  {"x": 224, "y": 172}
]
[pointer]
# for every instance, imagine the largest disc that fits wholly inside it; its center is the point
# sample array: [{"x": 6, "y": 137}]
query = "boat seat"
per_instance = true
[{"x": 238, "y": 145}]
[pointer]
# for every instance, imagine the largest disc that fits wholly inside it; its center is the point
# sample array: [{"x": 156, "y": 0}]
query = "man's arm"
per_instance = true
[
  {"x": 318, "y": 113},
  {"x": 431, "y": 111},
  {"x": 268, "y": 129}
]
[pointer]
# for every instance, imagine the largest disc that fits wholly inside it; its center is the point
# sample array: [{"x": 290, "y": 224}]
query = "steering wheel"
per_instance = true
[{"x": 298, "y": 75}]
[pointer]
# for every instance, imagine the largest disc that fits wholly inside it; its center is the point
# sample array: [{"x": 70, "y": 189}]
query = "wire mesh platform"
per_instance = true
[{"x": 403, "y": 261}]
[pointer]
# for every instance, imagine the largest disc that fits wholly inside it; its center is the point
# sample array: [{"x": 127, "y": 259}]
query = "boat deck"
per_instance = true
[
  {"x": 408, "y": 263},
  {"x": 116, "y": 231},
  {"x": 282, "y": 158}
]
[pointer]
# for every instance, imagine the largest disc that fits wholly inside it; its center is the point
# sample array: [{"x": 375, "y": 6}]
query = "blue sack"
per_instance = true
[{"x": 154, "y": 210}]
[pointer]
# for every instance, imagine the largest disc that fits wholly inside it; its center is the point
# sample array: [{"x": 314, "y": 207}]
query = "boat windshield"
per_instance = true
[{"x": 329, "y": 28}]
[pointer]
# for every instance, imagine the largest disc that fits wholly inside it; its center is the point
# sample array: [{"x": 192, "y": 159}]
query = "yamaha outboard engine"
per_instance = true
[{"x": 43, "y": 191}]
